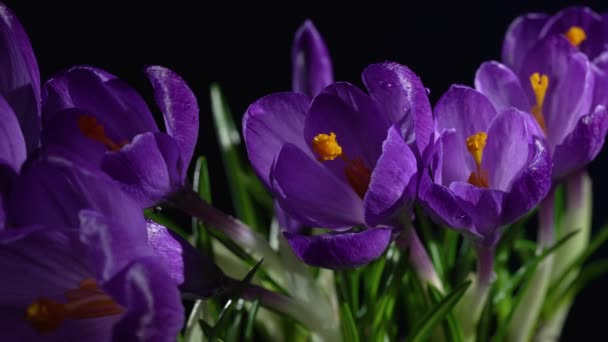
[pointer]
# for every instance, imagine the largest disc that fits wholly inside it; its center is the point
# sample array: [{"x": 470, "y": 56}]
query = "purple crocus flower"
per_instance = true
[
  {"x": 312, "y": 71},
  {"x": 487, "y": 168},
  {"x": 81, "y": 268},
  {"x": 101, "y": 119},
  {"x": 340, "y": 161},
  {"x": 556, "y": 83},
  {"x": 585, "y": 30}
]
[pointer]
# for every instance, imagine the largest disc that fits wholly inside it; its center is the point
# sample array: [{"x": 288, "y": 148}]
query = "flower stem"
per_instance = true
[
  {"x": 526, "y": 315},
  {"x": 253, "y": 243},
  {"x": 577, "y": 217},
  {"x": 327, "y": 328},
  {"x": 418, "y": 257},
  {"x": 470, "y": 307}
]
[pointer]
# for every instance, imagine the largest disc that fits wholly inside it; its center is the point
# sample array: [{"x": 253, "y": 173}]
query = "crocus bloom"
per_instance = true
[
  {"x": 101, "y": 119},
  {"x": 81, "y": 268},
  {"x": 339, "y": 161},
  {"x": 311, "y": 72},
  {"x": 487, "y": 169},
  {"x": 580, "y": 26},
  {"x": 555, "y": 83}
]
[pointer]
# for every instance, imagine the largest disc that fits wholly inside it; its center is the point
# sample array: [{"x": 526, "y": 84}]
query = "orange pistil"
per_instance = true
[
  {"x": 475, "y": 145},
  {"x": 357, "y": 174},
  {"x": 576, "y": 35},
  {"x": 540, "y": 84},
  {"x": 92, "y": 129},
  {"x": 86, "y": 301}
]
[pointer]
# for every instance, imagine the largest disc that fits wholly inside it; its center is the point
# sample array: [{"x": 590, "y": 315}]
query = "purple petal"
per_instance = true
[
  {"x": 46, "y": 256},
  {"x": 154, "y": 308},
  {"x": 63, "y": 131},
  {"x": 582, "y": 145},
  {"x": 286, "y": 222},
  {"x": 150, "y": 168},
  {"x": 403, "y": 99},
  {"x": 585, "y": 18},
  {"x": 179, "y": 107},
  {"x": 601, "y": 61},
  {"x": 484, "y": 206},
  {"x": 600, "y": 93},
  {"x": 465, "y": 111},
  {"x": 268, "y": 124},
  {"x": 394, "y": 181},
  {"x": 7, "y": 179},
  {"x": 501, "y": 86},
  {"x": 102, "y": 95},
  {"x": 532, "y": 185},
  {"x": 112, "y": 244},
  {"x": 571, "y": 84},
  {"x": 12, "y": 144},
  {"x": 20, "y": 83},
  {"x": 312, "y": 194},
  {"x": 193, "y": 271},
  {"x": 56, "y": 190},
  {"x": 355, "y": 119},
  {"x": 340, "y": 250},
  {"x": 311, "y": 65},
  {"x": 523, "y": 33},
  {"x": 506, "y": 152},
  {"x": 438, "y": 201}
]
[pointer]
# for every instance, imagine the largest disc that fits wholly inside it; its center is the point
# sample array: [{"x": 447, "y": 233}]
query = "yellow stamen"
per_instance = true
[
  {"x": 92, "y": 129},
  {"x": 576, "y": 35},
  {"x": 357, "y": 173},
  {"x": 475, "y": 145},
  {"x": 86, "y": 301},
  {"x": 326, "y": 146},
  {"x": 539, "y": 83}
]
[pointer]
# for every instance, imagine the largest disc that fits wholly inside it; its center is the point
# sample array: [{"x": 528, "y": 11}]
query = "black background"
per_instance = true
[{"x": 246, "y": 49}]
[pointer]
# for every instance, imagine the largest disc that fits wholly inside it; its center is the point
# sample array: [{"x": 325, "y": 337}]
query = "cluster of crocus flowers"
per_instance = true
[{"x": 345, "y": 167}]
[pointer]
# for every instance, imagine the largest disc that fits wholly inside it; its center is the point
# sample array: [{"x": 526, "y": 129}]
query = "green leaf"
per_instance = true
[
  {"x": 590, "y": 272},
  {"x": 193, "y": 323},
  {"x": 429, "y": 320},
  {"x": 451, "y": 326},
  {"x": 595, "y": 243},
  {"x": 229, "y": 141},
  {"x": 258, "y": 191},
  {"x": 253, "y": 311},
  {"x": 349, "y": 327},
  {"x": 202, "y": 186}
]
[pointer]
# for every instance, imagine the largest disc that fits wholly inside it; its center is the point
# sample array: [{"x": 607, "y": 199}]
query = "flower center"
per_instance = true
[
  {"x": 576, "y": 35},
  {"x": 357, "y": 173},
  {"x": 86, "y": 301},
  {"x": 326, "y": 146},
  {"x": 92, "y": 129},
  {"x": 540, "y": 83},
  {"x": 475, "y": 145}
]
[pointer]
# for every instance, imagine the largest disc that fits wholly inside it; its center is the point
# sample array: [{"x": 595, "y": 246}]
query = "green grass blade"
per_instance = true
[
  {"x": 229, "y": 141},
  {"x": 436, "y": 315},
  {"x": 349, "y": 327}
]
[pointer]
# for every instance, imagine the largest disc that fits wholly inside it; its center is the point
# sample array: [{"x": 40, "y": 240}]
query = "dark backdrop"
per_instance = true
[{"x": 246, "y": 48}]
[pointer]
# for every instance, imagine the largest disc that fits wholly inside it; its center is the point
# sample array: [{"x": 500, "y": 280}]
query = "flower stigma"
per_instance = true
[
  {"x": 576, "y": 35},
  {"x": 86, "y": 301},
  {"x": 357, "y": 173},
  {"x": 475, "y": 145},
  {"x": 92, "y": 129},
  {"x": 539, "y": 83}
]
